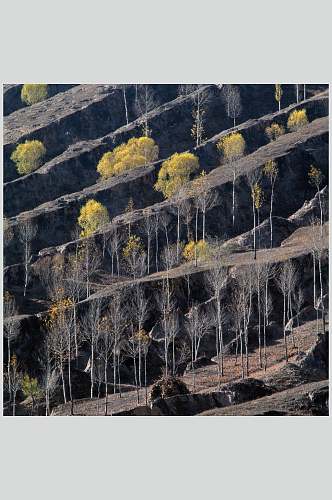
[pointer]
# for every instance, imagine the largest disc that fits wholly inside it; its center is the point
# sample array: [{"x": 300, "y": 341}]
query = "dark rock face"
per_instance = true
[
  {"x": 192, "y": 404},
  {"x": 307, "y": 399}
]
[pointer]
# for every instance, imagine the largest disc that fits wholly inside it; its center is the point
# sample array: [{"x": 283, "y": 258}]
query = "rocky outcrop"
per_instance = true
[{"x": 309, "y": 399}]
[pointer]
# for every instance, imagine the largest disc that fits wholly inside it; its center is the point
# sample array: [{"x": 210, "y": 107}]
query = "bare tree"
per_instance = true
[
  {"x": 74, "y": 286},
  {"x": 200, "y": 98},
  {"x": 232, "y": 100},
  {"x": 61, "y": 344},
  {"x": 187, "y": 214},
  {"x": 15, "y": 381},
  {"x": 245, "y": 283},
  {"x": 178, "y": 200},
  {"x": 146, "y": 101},
  {"x": 149, "y": 228},
  {"x": 10, "y": 329},
  {"x": 140, "y": 312},
  {"x": 91, "y": 262},
  {"x": 8, "y": 235},
  {"x": 50, "y": 375},
  {"x": 27, "y": 231},
  {"x": 216, "y": 280},
  {"x": 156, "y": 231},
  {"x": 105, "y": 347},
  {"x": 90, "y": 332},
  {"x": 198, "y": 326},
  {"x": 318, "y": 251},
  {"x": 206, "y": 199},
  {"x": 284, "y": 279},
  {"x": 253, "y": 178},
  {"x": 123, "y": 87},
  {"x": 113, "y": 246}
]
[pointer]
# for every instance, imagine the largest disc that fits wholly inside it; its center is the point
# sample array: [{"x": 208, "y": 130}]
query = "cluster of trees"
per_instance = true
[
  {"x": 114, "y": 330},
  {"x": 137, "y": 152}
]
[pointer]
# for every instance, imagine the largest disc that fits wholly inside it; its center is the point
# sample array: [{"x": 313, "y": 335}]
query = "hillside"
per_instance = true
[{"x": 223, "y": 281}]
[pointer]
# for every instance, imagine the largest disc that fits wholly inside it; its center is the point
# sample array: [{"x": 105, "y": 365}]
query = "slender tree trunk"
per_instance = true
[
  {"x": 284, "y": 324},
  {"x": 92, "y": 368},
  {"x": 69, "y": 375},
  {"x": 148, "y": 257},
  {"x": 117, "y": 263},
  {"x": 321, "y": 213},
  {"x": 26, "y": 269},
  {"x": 279, "y": 102},
  {"x": 297, "y": 93},
  {"x": 156, "y": 235},
  {"x": 125, "y": 104},
  {"x": 321, "y": 292},
  {"x": 315, "y": 295},
  {"x": 178, "y": 235},
  {"x": 271, "y": 208},
  {"x": 304, "y": 92},
  {"x": 220, "y": 336},
  {"x": 241, "y": 352},
  {"x": 233, "y": 198},
  {"x": 8, "y": 369},
  {"x": 233, "y": 121},
  {"x": 203, "y": 214},
  {"x": 145, "y": 384},
  {"x": 254, "y": 214},
  {"x": 14, "y": 403},
  {"x": 259, "y": 323},
  {"x": 106, "y": 388},
  {"x": 114, "y": 371},
  {"x": 136, "y": 383},
  {"x": 63, "y": 382},
  {"x": 119, "y": 377}
]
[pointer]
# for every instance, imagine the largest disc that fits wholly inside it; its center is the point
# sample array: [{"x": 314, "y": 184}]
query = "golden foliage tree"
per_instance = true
[
  {"x": 232, "y": 148},
  {"x": 278, "y": 94},
  {"x": 28, "y": 156},
  {"x": 194, "y": 251},
  {"x": 316, "y": 178},
  {"x": 32, "y": 93},
  {"x": 134, "y": 255},
  {"x": 271, "y": 172},
  {"x": 274, "y": 131},
  {"x": 297, "y": 119},
  {"x": 137, "y": 152},
  {"x": 175, "y": 173},
  {"x": 30, "y": 388},
  {"x": 93, "y": 216}
]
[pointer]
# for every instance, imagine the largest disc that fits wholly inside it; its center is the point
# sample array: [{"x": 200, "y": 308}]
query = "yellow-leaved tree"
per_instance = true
[
  {"x": 196, "y": 251},
  {"x": 173, "y": 177},
  {"x": 274, "y": 131},
  {"x": 32, "y": 93},
  {"x": 93, "y": 216},
  {"x": 271, "y": 171},
  {"x": 134, "y": 256},
  {"x": 28, "y": 156},
  {"x": 297, "y": 119},
  {"x": 137, "y": 152},
  {"x": 232, "y": 148},
  {"x": 278, "y": 94},
  {"x": 175, "y": 173},
  {"x": 316, "y": 178}
]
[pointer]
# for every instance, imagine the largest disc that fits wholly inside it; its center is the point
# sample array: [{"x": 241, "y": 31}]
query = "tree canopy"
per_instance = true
[
  {"x": 232, "y": 146},
  {"x": 92, "y": 217},
  {"x": 137, "y": 152},
  {"x": 175, "y": 173},
  {"x": 297, "y": 119},
  {"x": 32, "y": 93},
  {"x": 28, "y": 156}
]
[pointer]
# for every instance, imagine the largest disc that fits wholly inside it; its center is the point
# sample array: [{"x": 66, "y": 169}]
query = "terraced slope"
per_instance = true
[{"x": 83, "y": 122}]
